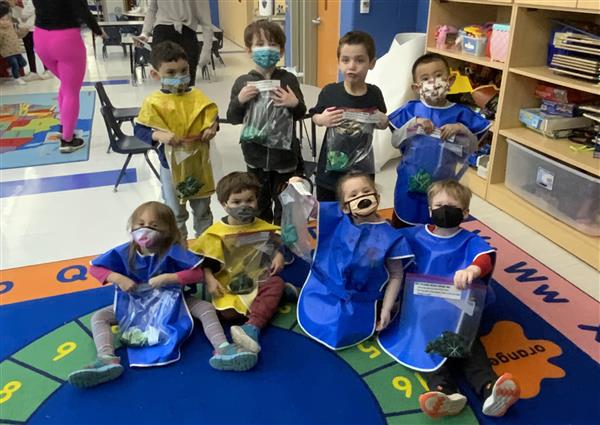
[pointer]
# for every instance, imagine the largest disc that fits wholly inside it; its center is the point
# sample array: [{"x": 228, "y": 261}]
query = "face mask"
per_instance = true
[
  {"x": 432, "y": 91},
  {"x": 447, "y": 216},
  {"x": 146, "y": 237},
  {"x": 364, "y": 205},
  {"x": 176, "y": 85},
  {"x": 243, "y": 214},
  {"x": 265, "y": 57}
]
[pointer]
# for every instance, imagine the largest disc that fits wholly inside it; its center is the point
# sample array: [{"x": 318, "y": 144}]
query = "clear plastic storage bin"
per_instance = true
[
  {"x": 473, "y": 45},
  {"x": 563, "y": 192}
]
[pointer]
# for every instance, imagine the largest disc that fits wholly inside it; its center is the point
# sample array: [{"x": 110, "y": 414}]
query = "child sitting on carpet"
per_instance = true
[
  {"x": 183, "y": 120},
  {"x": 446, "y": 250},
  {"x": 148, "y": 270},
  {"x": 242, "y": 260},
  {"x": 357, "y": 268},
  {"x": 432, "y": 80}
]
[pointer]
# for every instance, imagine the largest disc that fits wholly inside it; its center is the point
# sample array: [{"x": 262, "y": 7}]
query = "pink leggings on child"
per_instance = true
[{"x": 63, "y": 53}]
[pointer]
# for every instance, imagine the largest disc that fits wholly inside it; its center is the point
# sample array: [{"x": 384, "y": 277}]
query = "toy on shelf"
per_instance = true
[
  {"x": 574, "y": 50},
  {"x": 445, "y": 36},
  {"x": 499, "y": 41}
]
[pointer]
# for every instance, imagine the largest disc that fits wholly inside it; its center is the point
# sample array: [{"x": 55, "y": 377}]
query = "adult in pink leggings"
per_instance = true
[{"x": 58, "y": 43}]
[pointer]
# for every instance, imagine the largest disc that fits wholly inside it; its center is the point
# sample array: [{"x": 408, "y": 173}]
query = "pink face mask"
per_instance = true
[{"x": 145, "y": 237}]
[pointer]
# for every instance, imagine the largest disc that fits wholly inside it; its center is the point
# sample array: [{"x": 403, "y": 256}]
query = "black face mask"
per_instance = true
[{"x": 447, "y": 216}]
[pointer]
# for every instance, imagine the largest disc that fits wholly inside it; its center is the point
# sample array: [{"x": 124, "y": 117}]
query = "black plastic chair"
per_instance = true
[
  {"x": 113, "y": 39},
  {"x": 121, "y": 114},
  {"x": 126, "y": 145}
]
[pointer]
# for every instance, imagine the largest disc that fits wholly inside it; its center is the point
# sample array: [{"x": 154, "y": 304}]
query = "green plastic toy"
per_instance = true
[
  {"x": 189, "y": 187},
  {"x": 337, "y": 161},
  {"x": 449, "y": 344},
  {"x": 289, "y": 235},
  {"x": 420, "y": 182}
]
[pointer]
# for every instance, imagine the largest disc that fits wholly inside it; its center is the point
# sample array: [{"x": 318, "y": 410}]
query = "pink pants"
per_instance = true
[{"x": 63, "y": 53}]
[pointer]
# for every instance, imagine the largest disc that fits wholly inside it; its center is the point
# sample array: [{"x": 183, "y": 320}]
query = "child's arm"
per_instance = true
[
  {"x": 298, "y": 111},
  {"x": 212, "y": 283},
  {"x": 184, "y": 277},
  {"x": 149, "y": 135},
  {"x": 396, "y": 271},
  {"x": 481, "y": 266},
  {"x": 241, "y": 94},
  {"x": 331, "y": 117},
  {"x": 104, "y": 275}
]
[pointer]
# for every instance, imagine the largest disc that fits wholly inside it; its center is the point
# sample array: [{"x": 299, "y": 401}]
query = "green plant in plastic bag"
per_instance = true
[
  {"x": 189, "y": 187},
  {"x": 337, "y": 161},
  {"x": 449, "y": 344},
  {"x": 420, "y": 182}
]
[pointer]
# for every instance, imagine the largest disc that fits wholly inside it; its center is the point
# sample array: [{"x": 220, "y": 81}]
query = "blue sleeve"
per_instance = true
[
  {"x": 181, "y": 259},
  {"x": 400, "y": 249},
  {"x": 115, "y": 260},
  {"x": 474, "y": 122},
  {"x": 143, "y": 133},
  {"x": 402, "y": 115}
]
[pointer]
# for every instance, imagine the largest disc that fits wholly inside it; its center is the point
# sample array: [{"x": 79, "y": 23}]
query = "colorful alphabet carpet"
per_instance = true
[
  {"x": 29, "y": 129},
  {"x": 541, "y": 328}
]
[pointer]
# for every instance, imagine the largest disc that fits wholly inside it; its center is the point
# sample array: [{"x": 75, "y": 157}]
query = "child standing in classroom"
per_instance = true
[
  {"x": 431, "y": 81},
  {"x": 182, "y": 120},
  {"x": 268, "y": 100},
  {"x": 347, "y": 145}
]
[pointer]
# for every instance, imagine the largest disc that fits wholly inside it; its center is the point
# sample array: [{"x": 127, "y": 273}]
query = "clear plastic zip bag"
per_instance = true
[{"x": 297, "y": 204}]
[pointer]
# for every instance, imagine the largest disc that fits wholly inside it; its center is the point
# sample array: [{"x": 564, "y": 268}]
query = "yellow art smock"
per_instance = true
[
  {"x": 214, "y": 243},
  {"x": 184, "y": 115}
]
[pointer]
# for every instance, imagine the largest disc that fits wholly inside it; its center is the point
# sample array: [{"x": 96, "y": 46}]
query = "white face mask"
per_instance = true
[
  {"x": 145, "y": 237},
  {"x": 363, "y": 206},
  {"x": 432, "y": 91}
]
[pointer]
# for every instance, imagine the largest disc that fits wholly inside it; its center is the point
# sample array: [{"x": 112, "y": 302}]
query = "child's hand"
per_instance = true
[
  {"x": 248, "y": 93},
  {"x": 331, "y": 117},
  {"x": 162, "y": 280},
  {"x": 165, "y": 137},
  {"x": 277, "y": 264},
  {"x": 123, "y": 282},
  {"x": 463, "y": 278},
  {"x": 284, "y": 97},
  {"x": 426, "y": 124},
  {"x": 384, "y": 320},
  {"x": 209, "y": 133},
  {"x": 383, "y": 120},
  {"x": 212, "y": 285},
  {"x": 449, "y": 130}
]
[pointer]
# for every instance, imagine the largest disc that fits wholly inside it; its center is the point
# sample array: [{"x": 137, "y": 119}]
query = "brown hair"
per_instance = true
[
  {"x": 339, "y": 193},
  {"x": 236, "y": 182},
  {"x": 166, "y": 218},
  {"x": 272, "y": 32},
  {"x": 358, "y": 37},
  {"x": 167, "y": 51},
  {"x": 452, "y": 188},
  {"x": 428, "y": 58}
]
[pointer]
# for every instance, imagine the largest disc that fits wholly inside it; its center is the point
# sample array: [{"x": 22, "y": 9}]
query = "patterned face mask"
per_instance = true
[
  {"x": 432, "y": 91},
  {"x": 146, "y": 237},
  {"x": 266, "y": 57},
  {"x": 244, "y": 214},
  {"x": 364, "y": 205},
  {"x": 176, "y": 85}
]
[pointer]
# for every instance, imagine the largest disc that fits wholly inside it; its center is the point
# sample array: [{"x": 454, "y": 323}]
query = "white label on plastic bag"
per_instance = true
[
  {"x": 544, "y": 178},
  {"x": 265, "y": 85},
  {"x": 153, "y": 335},
  {"x": 182, "y": 154},
  {"x": 429, "y": 289},
  {"x": 252, "y": 238},
  {"x": 363, "y": 117}
]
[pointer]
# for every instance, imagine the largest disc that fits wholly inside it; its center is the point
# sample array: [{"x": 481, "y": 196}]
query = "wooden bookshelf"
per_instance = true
[{"x": 531, "y": 22}]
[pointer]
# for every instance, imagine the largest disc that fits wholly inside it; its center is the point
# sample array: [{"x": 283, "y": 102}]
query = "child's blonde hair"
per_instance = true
[
  {"x": 452, "y": 188},
  {"x": 352, "y": 175},
  {"x": 168, "y": 224}
]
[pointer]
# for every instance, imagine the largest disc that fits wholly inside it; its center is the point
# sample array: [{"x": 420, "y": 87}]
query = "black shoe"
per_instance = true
[{"x": 72, "y": 146}]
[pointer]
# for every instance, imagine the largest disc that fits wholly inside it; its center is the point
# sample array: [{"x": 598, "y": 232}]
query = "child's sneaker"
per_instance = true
[
  {"x": 20, "y": 81},
  {"x": 46, "y": 75},
  {"x": 246, "y": 336},
  {"x": 231, "y": 357},
  {"x": 31, "y": 76},
  {"x": 505, "y": 393},
  {"x": 72, "y": 146},
  {"x": 104, "y": 369},
  {"x": 437, "y": 405},
  {"x": 290, "y": 294}
]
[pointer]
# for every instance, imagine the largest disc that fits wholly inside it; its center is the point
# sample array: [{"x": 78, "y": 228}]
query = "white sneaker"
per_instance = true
[
  {"x": 45, "y": 75},
  {"x": 505, "y": 393},
  {"x": 31, "y": 76},
  {"x": 20, "y": 81},
  {"x": 436, "y": 404}
]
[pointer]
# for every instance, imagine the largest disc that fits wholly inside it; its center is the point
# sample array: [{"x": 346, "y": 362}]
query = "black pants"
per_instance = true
[
  {"x": 186, "y": 39},
  {"x": 476, "y": 369},
  {"x": 28, "y": 42},
  {"x": 272, "y": 184}
]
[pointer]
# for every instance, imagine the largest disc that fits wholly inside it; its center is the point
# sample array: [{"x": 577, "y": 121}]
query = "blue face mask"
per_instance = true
[
  {"x": 266, "y": 57},
  {"x": 176, "y": 85}
]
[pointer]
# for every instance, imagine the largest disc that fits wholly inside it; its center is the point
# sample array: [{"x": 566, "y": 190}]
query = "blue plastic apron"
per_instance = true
[{"x": 338, "y": 302}]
